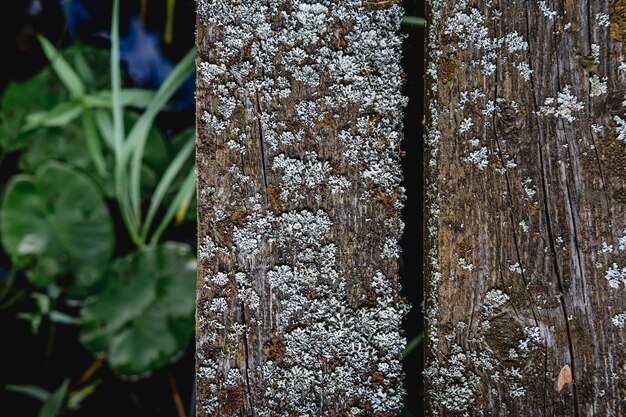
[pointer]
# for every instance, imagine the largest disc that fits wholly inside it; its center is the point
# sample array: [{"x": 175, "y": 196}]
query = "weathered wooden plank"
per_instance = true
[
  {"x": 299, "y": 120},
  {"x": 525, "y": 208}
]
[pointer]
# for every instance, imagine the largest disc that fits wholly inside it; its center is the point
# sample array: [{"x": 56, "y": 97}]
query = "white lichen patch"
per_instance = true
[
  {"x": 603, "y": 19},
  {"x": 615, "y": 276},
  {"x": 472, "y": 30},
  {"x": 619, "y": 320},
  {"x": 546, "y": 10},
  {"x": 494, "y": 299},
  {"x": 307, "y": 77},
  {"x": 598, "y": 86},
  {"x": 479, "y": 157},
  {"x": 565, "y": 105}
]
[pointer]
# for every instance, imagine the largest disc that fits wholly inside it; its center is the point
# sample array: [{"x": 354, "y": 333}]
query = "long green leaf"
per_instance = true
[
  {"x": 62, "y": 68},
  {"x": 168, "y": 177},
  {"x": 54, "y": 404},
  {"x": 135, "y": 145},
  {"x": 187, "y": 187},
  {"x": 93, "y": 142},
  {"x": 116, "y": 82},
  {"x": 59, "y": 115},
  {"x": 133, "y": 97},
  {"x": 130, "y": 221},
  {"x": 105, "y": 127},
  {"x": 33, "y": 391},
  {"x": 414, "y": 21},
  {"x": 410, "y": 347}
]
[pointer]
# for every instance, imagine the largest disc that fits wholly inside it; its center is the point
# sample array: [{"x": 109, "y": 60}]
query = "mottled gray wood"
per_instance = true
[
  {"x": 525, "y": 208},
  {"x": 299, "y": 120}
]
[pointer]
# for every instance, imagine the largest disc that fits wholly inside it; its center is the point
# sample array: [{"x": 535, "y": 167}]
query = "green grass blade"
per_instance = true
[
  {"x": 30, "y": 390},
  {"x": 60, "y": 115},
  {"x": 168, "y": 37},
  {"x": 94, "y": 145},
  {"x": 136, "y": 142},
  {"x": 183, "y": 207},
  {"x": 414, "y": 21},
  {"x": 116, "y": 82},
  {"x": 414, "y": 343},
  {"x": 62, "y": 68},
  {"x": 121, "y": 184},
  {"x": 105, "y": 127},
  {"x": 54, "y": 404},
  {"x": 164, "y": 184},
  {"x": 129, "y": 97},
  {"x": 188, "y": 186}
]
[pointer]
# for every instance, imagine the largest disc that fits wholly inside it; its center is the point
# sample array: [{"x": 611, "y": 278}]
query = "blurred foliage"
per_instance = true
[{"x": 95, "y": 185}]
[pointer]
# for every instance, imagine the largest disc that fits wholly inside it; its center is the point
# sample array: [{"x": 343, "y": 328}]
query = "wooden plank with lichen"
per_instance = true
[
  {"x": 299, "y": 199},
  {"x": 526, "y": 198}
]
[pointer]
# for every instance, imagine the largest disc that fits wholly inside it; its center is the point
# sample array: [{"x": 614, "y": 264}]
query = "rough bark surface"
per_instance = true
[
  {"x": 299, "y": 126},
  {"x": 526, "y": 191}
]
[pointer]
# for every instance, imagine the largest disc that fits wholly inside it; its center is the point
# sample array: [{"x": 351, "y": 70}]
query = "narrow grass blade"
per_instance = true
[
  {"x": 414, "y": 21},
  {"x": 62, "y": 68},
  {"x": 166, "y": 181},
  {"x": 410, "y": 347},
  {"x": 188, "y": 186},
  {"x": 54, "y": 404},
  {"x": 105, "y": 127},
  {"x": 168, "y": 37},
  {"x": 59, "y": 115},
  {"x": 136, "y": 142},
  {"x": 129, "y": 97},
  {"x": 32, "y": 391},
  {"x": 94, "y": 145}
]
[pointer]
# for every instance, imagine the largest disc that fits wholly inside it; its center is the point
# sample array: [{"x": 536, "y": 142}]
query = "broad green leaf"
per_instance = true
[
  {"x": 145, "y": 314},
  {"x": 52, "y": 407},
  {"x": 62, "y": 68},
  {"x": 66, "y": 144},
  {"x": 57, "y": 222},
  {"x": 39, "y": 93},
  {"x": 33, "y": 391}
]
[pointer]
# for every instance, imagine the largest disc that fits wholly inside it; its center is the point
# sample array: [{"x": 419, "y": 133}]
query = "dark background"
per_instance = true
[{"x": 34, "y": 360}]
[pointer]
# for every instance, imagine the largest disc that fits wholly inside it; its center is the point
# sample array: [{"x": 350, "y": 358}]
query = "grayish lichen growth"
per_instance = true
[{"x": 302, "y": 102}]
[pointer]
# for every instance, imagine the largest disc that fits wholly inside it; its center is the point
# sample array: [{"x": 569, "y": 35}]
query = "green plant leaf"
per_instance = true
[
  {"x": 133, "y": 97},
  {"x": 165, "y": 183},
  {"x": 62, "y": 68},
  {"x": 59, "y": 115},
  {"x": 414, "y": 343},
  {"x": 32, "y": 391},
  {"x": 57, "y": 222},
  {"x": 145, "y": 314},
  {"x": 77, "y": 397},
  {"x": 52, "y": 407},
  {"x": 20, "y": 99},
  {"x": 186, "y": 190},
  {"x": 136, "y": 141},
  {"x": 62, "y": 318},
  {"x": 93, "y": 141}
]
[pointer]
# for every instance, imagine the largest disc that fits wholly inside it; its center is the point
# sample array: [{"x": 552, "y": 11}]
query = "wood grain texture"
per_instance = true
[
  {"x": 299, "y": 120},
  {"x": 526, "y": 198}
]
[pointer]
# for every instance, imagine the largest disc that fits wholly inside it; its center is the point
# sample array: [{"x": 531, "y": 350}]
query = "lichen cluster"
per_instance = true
[{"x": 301, "y": 107}]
